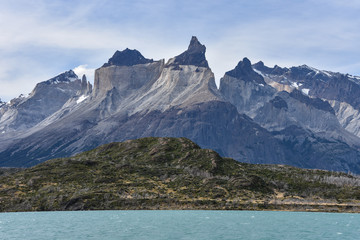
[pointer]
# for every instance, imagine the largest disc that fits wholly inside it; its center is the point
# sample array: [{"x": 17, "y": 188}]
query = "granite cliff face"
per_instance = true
[
  {"x": 250, "y": 118},
  {"x": 126, "y": 71}
]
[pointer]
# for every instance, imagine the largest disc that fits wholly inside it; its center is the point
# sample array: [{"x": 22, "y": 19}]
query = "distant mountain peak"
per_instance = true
[
  {"x": 194, "y": 55},
  {"x": 196, "y": 45},
  {"x": 244, "y": 71},
  {"x": 127, "y": 57},
  {"x": 67, "y": 76}
]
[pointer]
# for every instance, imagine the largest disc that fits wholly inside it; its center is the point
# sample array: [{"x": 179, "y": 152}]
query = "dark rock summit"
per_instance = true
[
  {"x": 245, "y": 72},
  {"x": 194, "y": 55},
  {"x": 67, "y": 76},
  {"x": 127, "y": 57}
]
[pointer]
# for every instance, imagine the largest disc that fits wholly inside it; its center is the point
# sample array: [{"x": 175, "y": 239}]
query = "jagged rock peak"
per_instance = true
[
  {"x": 195, "y": 45},
  {"x": 86, "y": 87},
  {"x": 127, "y": 57},
  {"x": 276, "y": 70},
  {"x": 67, "y": 76},
  {"x": 244, "y": 71},
  {"x": 194, "y": 55},
  {"x": 84, "y": 81}
]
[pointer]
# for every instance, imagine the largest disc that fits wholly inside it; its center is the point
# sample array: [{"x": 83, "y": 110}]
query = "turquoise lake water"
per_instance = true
[{"x": 179, "y": 225}]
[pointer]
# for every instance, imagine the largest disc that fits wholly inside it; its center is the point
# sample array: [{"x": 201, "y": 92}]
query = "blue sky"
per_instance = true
[{"x": 40, "y": 39}]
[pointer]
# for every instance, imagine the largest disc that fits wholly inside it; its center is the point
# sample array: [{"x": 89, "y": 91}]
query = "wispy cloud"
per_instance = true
[
  {"x": 84, "y": 70},
  {"x": 41, "y": 38}
]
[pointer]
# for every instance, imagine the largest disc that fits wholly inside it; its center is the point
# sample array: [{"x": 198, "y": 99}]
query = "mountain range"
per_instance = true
[{"x": 298, "y": 116}]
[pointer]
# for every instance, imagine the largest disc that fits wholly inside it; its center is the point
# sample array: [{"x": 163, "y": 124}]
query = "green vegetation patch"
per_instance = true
[{"x": 171, "y": 173}]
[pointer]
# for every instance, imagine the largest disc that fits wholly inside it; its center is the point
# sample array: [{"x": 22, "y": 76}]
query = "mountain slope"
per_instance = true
[{"x": 171, "y": 173}]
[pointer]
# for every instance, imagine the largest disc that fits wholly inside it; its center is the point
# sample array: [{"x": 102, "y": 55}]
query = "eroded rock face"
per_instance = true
[
  {"x": 186, "y": 86},
  {"x": 247, "y": 96}
]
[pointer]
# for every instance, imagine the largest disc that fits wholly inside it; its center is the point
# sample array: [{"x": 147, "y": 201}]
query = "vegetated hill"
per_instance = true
[
  {"x": 4, "y": 171},
  {"x": 172, "y": 173}
]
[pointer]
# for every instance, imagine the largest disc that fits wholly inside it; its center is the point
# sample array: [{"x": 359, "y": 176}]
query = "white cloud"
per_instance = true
[{"x": 83, "y": 69}]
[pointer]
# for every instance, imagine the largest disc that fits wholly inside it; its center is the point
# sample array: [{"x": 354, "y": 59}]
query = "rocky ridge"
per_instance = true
[{"x": 340, "y": 90}]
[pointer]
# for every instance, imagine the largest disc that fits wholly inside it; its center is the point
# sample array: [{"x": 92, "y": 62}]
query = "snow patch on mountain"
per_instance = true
[
  {"x": 295, "y": 84},
  {"x": 81, "y": 99},
  {"x": 355, "y": 79},
  {"x": 259, "y": 72},
  {"x": 317, "y": 71},
  {"x": 305, "y": 91}
]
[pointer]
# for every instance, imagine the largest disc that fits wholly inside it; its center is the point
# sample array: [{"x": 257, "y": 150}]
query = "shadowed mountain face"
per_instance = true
[
  {"x": 250, "y": 118},
  {"x": 245, "y": 72}
]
